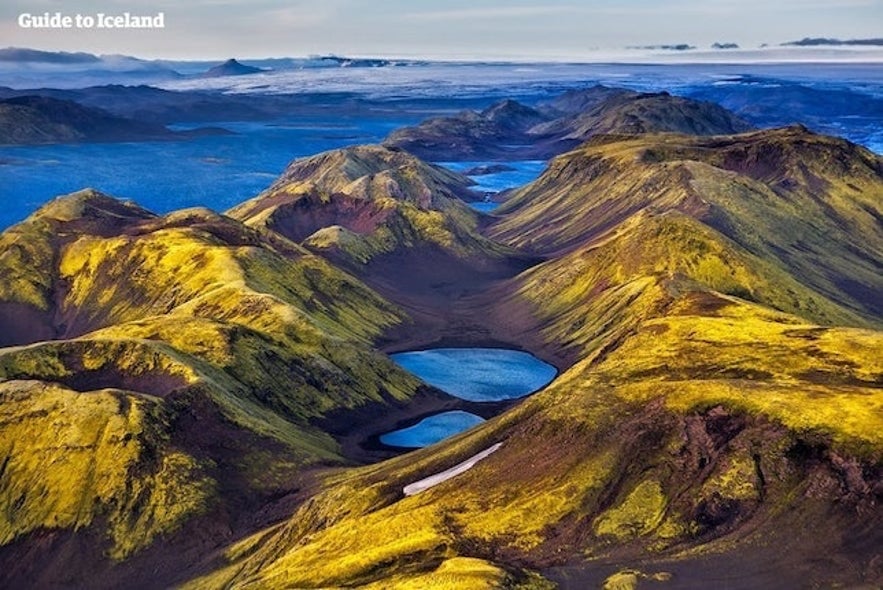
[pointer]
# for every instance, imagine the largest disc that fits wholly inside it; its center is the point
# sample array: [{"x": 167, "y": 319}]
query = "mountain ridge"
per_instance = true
[
  {"x": 231, "y": 67},
  {"x": 692, "y": 421}
]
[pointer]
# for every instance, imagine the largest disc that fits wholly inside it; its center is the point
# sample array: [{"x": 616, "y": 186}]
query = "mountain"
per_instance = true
[
  {"x": 356, "y": 62},
  {"x": 824, "y": 41},
  {"x": 169, "y": 378},
  {"x": 665, "y": 47},
  {"x": 508, "y": 130},
  {"x": 187, "y": 398},
  {"x": 771, "y": 102},
  {"x": 577, "y": 101},
  {"x": 644, "y": 113},
  {"x": 789, "y": 196},
  {"x": 384, "y": 215},
  {"x": 715, "y": 407},
  {"x": 30, "y": 120},
  {"x": 27, "y": 68},
  {"x": 21, "y": 54},
  {"x": 155, "y": 105},
  {"x": 231, "y": 67},
  {"x": 469, "y": 134}
]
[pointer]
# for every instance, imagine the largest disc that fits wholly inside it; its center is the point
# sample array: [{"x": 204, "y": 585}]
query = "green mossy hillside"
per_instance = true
[
  {"x": 593, "y": 296},
  {"x": 807, "y": 203},
  {"x": 687, "y": 437},
  {"x": 165, "y": 336},
  {"x": 711, "y": 302},
  {"x": 362, "y": 202},
  {"x": 71, "y": 460}
]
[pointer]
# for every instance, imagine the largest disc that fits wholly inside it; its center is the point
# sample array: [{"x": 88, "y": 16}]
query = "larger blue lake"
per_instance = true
[{"x": 478, "y": 374}]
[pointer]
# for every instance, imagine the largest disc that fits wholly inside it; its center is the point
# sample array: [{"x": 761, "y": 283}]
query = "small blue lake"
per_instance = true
[
  {"x": 478, "y": 374},
  {"x": 431, "y": 430}
]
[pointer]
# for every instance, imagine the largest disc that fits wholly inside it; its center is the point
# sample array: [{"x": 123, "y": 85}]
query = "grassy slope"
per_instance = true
[
  {"x": 806, "y": 203},
  {"x": 644, "y": 113},
  {"x": 189, "y": 315},
  {"x": 508, "y": 130},
  {"x": 684, "y": 437},
  {"x": 715, "y": 407},
  {"x": 71, "y": 459}
]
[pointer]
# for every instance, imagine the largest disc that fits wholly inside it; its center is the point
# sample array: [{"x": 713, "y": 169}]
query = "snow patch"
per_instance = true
[{"x": 443, "y": 476}]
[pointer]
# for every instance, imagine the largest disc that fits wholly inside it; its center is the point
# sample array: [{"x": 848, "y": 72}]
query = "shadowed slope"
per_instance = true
[
  {"x": 389, "y": 218},
  {"x": 37, "y": 120},
  {"x": 392, "y": 200}
]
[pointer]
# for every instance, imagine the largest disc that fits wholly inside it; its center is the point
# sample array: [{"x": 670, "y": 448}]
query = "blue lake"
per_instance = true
[
  {"x": 523, "y": 172},
  {"x": 216, "y": 172},
  {"x": 431, "y": 430},
  {"x": 484, "y": 206},
  {"x": 478, "y": 374}
]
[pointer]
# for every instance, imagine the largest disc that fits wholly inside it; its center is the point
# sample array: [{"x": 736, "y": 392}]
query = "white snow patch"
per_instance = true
[{"x": 443, "y": 476}]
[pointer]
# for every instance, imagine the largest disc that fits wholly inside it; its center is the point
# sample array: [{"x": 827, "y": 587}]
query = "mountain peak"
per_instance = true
[
  {"x": 90, "y": 204},
  {"x": 512, "y": 114},
  {"x": 336, "y": 170},
  {"x": 231, "y": 67}
]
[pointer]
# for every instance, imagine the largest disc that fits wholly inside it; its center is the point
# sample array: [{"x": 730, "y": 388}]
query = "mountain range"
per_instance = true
[
  {"x": 35, "y": 120},
  {"x": 189, "y": 399},
  {"x": 509, "y": 130}
]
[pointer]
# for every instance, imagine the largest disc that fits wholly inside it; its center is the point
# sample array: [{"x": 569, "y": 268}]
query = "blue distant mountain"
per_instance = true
[
  {"x": 23, "y": 55},
  {"x": 665, "y": 47},
  {"x": 231, "y": 67},
  {"x": 826, "y": 42}
]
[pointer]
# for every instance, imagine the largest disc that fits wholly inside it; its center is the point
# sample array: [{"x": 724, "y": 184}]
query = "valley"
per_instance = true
[{"x": 683, "y": 310}]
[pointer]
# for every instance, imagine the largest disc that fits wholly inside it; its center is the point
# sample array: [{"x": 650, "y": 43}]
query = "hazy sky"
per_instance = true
[{"x": 211, "y": 29}]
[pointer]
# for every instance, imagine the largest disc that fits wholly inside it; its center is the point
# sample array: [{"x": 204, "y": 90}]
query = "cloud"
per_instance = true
[{"x": 499, "y": 12}]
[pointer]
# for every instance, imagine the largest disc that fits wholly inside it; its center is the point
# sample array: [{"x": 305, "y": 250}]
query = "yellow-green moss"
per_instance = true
[
  {"x": 457, "y": 573},
  {"x": 70, "y": 458},
  {"x": 631, "y": 579},
  {"x": 637, "y": 515},
  {"x": 736, "y": 479},
  {"x": 160, "y": 504}
]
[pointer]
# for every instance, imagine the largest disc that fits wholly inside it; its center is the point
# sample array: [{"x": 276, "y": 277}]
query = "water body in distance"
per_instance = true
[
  {"x": 215, "y": 171},
  {"x": 431, "y": 430},
  {"x": 478, "y": 374},
  {"x": 520, "y": 173}
]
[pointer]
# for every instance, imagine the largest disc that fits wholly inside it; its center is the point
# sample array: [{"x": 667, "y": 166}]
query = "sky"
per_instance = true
[{"x": 455, "y": 29}]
